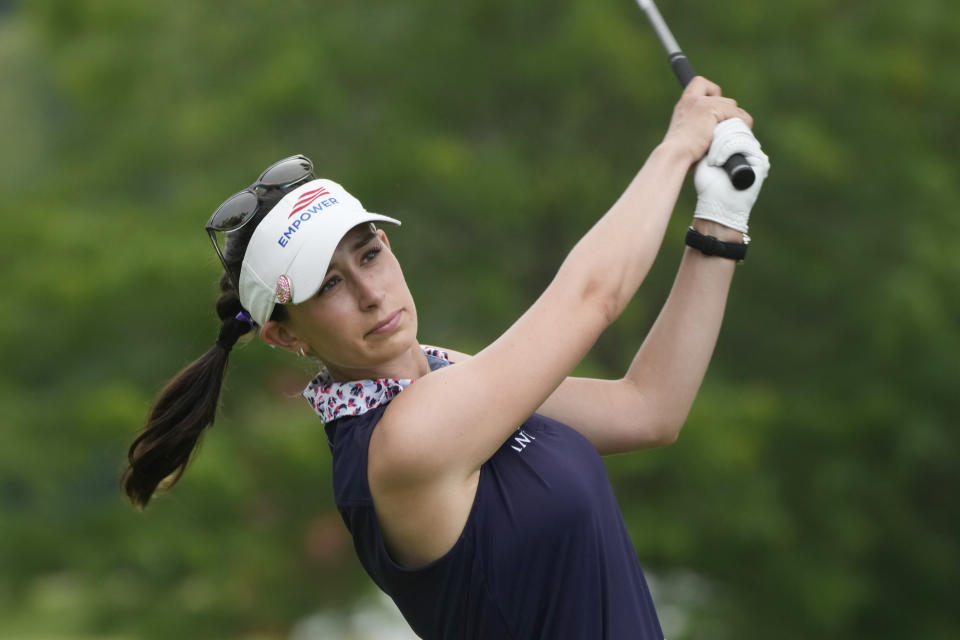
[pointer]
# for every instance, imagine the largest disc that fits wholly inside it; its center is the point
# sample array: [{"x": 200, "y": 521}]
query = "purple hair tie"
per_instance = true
[{"x": 243, "y": 316}]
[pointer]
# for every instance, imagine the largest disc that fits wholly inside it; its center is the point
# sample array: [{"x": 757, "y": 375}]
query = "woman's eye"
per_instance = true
[
  {"x": 371, "y": 254},
  {"x": 328, "y": 285}
]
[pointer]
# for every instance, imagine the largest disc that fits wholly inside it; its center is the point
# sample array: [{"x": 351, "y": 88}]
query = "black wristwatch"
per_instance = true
[{"x": 711, "y": 246}]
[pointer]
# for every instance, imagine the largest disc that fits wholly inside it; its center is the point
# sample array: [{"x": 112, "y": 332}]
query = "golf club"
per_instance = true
[{"x": 740, "y": 172}]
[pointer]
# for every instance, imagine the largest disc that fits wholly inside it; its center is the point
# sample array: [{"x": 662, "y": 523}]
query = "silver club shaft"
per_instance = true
[{"x": 659, "y": 26}]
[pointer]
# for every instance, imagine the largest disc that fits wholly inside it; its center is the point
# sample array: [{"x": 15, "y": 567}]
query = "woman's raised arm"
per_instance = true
[{"x": 466, "y": 412}]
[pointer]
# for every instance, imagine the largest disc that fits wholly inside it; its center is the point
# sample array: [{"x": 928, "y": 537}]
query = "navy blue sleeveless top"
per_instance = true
[{"x": 544, "y": 552}]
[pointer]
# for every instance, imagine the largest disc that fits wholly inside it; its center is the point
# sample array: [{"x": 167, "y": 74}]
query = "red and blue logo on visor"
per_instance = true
[{"x": 303, "y": 213}]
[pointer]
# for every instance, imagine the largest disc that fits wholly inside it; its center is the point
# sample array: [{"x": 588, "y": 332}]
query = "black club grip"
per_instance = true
[
  {"x": 682, "y": 68},
  {"x": 740, "y": 172}
]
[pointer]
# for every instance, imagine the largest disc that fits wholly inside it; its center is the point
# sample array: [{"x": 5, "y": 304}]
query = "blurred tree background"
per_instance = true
[{"x": 812, "y": 492}]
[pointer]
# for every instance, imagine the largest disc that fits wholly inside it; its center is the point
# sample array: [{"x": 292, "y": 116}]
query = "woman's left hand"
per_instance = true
[{"x": 697, "y": 113}]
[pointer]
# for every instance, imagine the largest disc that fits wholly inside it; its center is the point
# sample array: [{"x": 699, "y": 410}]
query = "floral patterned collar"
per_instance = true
[{"x": 332, "y": 400}]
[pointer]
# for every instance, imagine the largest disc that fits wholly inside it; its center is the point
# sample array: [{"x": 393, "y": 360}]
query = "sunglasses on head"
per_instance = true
[{"x": 240, "y": 208}]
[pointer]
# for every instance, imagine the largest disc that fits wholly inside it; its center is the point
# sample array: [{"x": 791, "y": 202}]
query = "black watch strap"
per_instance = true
[{"x": 711, "y": 246}]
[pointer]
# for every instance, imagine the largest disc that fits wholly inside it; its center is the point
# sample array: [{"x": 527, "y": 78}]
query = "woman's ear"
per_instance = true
[
  {"x": 383, "y": 238},
  {"x": 277, "y": 335}
]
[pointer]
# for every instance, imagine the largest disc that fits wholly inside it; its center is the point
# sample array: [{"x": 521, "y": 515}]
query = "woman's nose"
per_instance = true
[{"x": 370, "y": 293}]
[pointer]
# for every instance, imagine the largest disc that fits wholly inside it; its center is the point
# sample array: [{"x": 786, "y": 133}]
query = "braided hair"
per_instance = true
[{"x": 187, "y": 405}]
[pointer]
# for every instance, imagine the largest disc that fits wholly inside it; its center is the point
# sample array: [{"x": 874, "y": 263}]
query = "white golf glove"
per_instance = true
[{"x": 717, "y": 199}]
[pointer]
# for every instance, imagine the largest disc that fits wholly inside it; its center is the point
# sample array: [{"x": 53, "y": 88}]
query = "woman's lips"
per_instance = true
[{"x": 388, "y": 325}]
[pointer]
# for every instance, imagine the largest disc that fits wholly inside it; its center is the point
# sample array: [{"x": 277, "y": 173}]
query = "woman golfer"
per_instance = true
[{"x": 473, "y": 486}]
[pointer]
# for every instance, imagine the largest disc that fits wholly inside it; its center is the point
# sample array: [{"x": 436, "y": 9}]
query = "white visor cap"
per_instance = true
[{"x": 290, "y": 250}]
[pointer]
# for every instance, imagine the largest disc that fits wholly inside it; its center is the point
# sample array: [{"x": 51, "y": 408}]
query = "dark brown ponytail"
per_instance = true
[
  {"x": 188, "y": 404},
  {"x": 185, "y": 407}
]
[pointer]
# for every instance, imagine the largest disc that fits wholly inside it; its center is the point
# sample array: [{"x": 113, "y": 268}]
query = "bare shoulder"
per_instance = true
[{"x": 402, "y": 449}]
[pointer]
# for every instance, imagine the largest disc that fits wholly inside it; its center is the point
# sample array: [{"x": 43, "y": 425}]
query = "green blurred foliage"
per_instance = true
[{"x": 812, "y": 491}]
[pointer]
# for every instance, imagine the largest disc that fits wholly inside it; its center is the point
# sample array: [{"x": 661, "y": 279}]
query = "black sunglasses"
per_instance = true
[{"x": 240, "y": 208}]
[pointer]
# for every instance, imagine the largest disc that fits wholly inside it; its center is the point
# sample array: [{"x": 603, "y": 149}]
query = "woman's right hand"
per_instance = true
[{"x": 696, "y": 115}]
